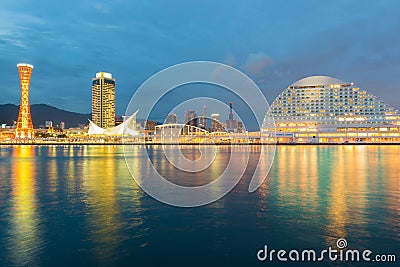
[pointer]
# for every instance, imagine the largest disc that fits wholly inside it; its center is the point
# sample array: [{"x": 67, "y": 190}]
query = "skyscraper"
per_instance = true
[
  {"x": 191, "y": 118},
  {"x": 203, "y": 119},
  {"x": 216, "y": 125},
  {"x": 103, "y": 100},
  {"x": 231, "y": 124},
  {"x": 171, "y": 119},
  {"x": 24, "y": 128}
]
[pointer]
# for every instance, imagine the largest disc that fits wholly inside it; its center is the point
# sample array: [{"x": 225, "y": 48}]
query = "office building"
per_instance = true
[
  {"x": 216, "y": 125},
  {"x": 191, "y": 118},
  {"x": 171, "y": 119},
  {"x": 203, "y": 118}
]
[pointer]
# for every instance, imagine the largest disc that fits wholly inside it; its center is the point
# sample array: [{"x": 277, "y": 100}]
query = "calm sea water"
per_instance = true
[{"x": 78, "y": 205}]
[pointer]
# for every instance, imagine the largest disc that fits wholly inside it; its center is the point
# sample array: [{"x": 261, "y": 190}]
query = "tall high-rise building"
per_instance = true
[
  {"x": 231, "y": 124},
  {"x": 103, "y": 100},
  {"x": 24, "y": 127},
  {"x": 216, "y": 125},
  {"x": 191, "y": 118},
  {"x": 171, "y": 119},
  {"x": 203, "y": 119},
  {"x": 230, "y": 111}
]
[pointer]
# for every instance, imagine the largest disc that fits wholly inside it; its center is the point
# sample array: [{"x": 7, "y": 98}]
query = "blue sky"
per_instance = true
[{"x": 274, "y": 42}]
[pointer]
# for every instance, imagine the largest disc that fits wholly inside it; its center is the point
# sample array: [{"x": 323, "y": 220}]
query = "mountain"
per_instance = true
[{"x": 41, "y": 113}]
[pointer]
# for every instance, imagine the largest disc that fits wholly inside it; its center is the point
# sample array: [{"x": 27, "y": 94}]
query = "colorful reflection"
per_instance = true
[
  {"x": 340, "y": 185},
  {"x": 297, "y": 169},
  {"x": 342, "y": 178},
  {"x": 80, "y": 206},
  {"x": 100, "y": 187},
  {"x": 25, "y": 241}
]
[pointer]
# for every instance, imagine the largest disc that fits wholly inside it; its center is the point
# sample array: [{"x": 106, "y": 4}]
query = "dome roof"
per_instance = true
[{"x": 319, "y": 80}]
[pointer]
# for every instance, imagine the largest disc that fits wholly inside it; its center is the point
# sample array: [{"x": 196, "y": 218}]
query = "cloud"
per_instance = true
[
  {"x": 256, "y": 64},
  {"x": 12, "y": 27}
]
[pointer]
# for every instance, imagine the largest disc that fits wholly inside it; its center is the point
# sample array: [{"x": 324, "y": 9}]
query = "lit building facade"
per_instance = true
[
  {"x": 216, "y": 125},
  {"x": 103, "y": 100},
  {"x": 326, "y": 109}
]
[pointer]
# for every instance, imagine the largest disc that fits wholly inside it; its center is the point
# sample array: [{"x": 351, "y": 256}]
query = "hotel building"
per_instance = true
[
  {"x": 321, "y": 109},
  {"x": 103, "y": 100}
]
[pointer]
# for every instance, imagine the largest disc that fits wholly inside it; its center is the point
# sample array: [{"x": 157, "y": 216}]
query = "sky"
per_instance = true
[{"x": 275, "y": 43}]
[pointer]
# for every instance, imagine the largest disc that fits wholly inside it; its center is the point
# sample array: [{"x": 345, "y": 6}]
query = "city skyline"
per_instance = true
[
  {"x": 210, "y": 133},
  {"x": 136, "y": 49},
  {"x": 103, "y": 102}
]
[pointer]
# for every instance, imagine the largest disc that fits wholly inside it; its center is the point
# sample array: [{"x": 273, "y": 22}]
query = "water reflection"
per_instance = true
[
  {"x": 25, "y": 242},
  {"x": 101, "y": 198},
  {"x": 59, "y": 203},
  {"x": 345, "y": 187}
]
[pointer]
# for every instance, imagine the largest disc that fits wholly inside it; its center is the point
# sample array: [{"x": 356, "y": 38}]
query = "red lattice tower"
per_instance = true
[{"x": 24, "y": 128}]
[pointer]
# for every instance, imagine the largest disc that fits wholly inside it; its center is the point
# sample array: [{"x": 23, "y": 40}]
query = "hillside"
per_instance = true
[{"x": 41, "y": 113}]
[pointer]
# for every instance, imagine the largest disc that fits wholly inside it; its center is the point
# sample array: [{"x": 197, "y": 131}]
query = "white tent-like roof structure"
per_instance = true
[
  {"x": 128, "y": 127},
  {"x": 319, "y": 80}
]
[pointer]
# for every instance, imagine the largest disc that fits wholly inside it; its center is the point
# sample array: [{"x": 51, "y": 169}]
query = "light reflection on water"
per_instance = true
[
  {"x": 25, "y": 234},
  {"x": 78, "y": 205}
]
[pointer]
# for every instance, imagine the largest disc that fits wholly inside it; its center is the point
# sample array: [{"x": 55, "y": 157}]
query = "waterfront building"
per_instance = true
[
  {"x": 150, "y": 125},
  {"x": 171, "y": 119},
  {"x": 240, "y": 127},
  {"x": 24, "y": 127},
  {"x": 191, "y": 118},
  {"x": 48, "y": 124},
  {"x": 203, "y": 118},
  {"x": 128, "y": 127},
  {"x": 103, "y": 100},
  {"x": 325, "y": 109},
  {"x": 216, "y": 125},
  {"x": 233, "y": 126}
]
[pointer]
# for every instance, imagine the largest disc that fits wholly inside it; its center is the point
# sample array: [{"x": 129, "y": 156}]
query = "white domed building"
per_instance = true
[{"x": 324, "y": 109}]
